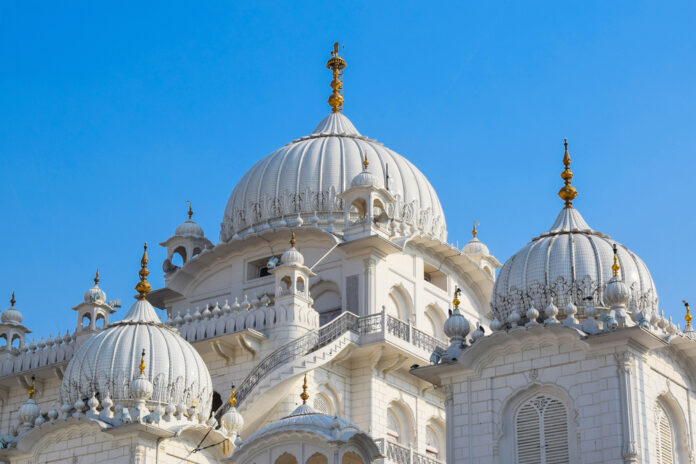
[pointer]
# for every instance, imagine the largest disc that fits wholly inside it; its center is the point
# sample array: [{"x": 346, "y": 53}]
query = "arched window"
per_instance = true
[
  {"x": 86, "y": 320},
  {"x": 317, "y": 458},
  {"x": 286, "y": 458},
  {"x": 541, "y": 432},
  {"x": 665, "y": 436},
  {"x": 351, "y": 458},
  {"x": 393, "y": 426}
]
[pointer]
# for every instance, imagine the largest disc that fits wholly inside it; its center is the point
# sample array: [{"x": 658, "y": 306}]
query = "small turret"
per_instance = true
[
  {"x": 11, "y": 328},
  {"x": 187, "y": 242},
  {"x": 94, "y": 311}
]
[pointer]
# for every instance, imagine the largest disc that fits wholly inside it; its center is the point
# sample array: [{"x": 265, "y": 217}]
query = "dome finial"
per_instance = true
[
  {"x": 336, "y": 64},
  {"x": 143, "y": 287},
  {"x": 190, "y": 211},
  {"x": 474, "y": 232},
  {"x": 233, "y": 399},
  {"x": 12, "y": 300},
  {"x": 292, "y": 240},
  {"x": 142, "y": 362},
  {"x": 96, "y": 277},
  {"x": 31, "y": 390},
  {"x": 456, "y": 301},
  {"x": 567, "y": 192},
  {"x": 304, "y": 395},
  {"x": 365, "y": 163},
  {"x": 688, "y": 317},
  {"x": 615, "y": 267}
]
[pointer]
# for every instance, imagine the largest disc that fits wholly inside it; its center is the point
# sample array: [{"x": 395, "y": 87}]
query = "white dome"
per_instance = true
[
  {"x": 476, "y": 247},
  {"x": 189, "y": 228},
  {"x": 306, "y": 175},
  {"x": 11, "y": 315},
  {"x": 108, "y": 361},
  {"x": 569, "y": 263}
]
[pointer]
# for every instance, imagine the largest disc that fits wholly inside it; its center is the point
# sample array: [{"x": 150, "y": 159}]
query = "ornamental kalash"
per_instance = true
[{"x": 321, "y": 328}]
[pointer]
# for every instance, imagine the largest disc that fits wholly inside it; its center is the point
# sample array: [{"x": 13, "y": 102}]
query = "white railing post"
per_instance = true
[
  {"x": 410, "y": 453},
  {"x": 384, "y": 321}
]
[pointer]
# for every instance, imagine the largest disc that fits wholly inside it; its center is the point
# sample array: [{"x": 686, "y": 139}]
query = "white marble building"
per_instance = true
[{"x": 333, "y": 277}]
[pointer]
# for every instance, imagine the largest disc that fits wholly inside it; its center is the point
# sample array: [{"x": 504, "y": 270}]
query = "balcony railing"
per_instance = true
[{"x": 395, "y": 453}]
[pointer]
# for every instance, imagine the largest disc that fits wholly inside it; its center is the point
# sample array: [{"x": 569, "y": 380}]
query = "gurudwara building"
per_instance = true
[{"x": 332, "y": 322}]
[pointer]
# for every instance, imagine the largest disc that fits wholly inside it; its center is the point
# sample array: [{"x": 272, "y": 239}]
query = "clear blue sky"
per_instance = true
[{"x": 112, "y": 116}]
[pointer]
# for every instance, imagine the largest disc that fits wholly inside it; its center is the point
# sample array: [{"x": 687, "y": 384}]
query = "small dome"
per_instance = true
[
  {"x": 232, "y": 421},
  {"x": 107, "y": 363},
  {"x": 28, "y": 412},
  {"x": 95, "y": 295},
  {"x": 189, "y": 228},
  {"x": 476, "y": 247},
  {"x": 365, "y": 178},
  {"x": 292, "y": 257},
  {"x": 11, "y": 315},
  {"x": 456, "y": 327},
  {"x": 570, "y": 261}
]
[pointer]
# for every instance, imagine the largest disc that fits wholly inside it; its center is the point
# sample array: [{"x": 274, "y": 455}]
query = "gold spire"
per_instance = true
[
  {"x": 567, "y": 192},
  {"x": 31, "y": 388},
  {"x": 190, "y": 211},
  {"x": 96, "y": 277},
  {"x": 336, "y": 64},
  {"x": 292, "y": 240},
  {"x": 688, "y": 317},
  {"x": 615, "y": 267},
  {"x": 142, "y": 363},
  {"x": 304, "y": 395},
  {"x": 143, "y": 287},
  {"x": 365, "y": 163},
  {"x": 12, "y": 300},
  {"x": 474, "y": 232},
  {"x": 232, "y": 399},
  {"x": 456, "y": 301}
]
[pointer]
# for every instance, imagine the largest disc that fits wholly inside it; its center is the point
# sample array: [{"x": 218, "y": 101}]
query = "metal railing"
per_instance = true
[
  {"x": 399, "y": 454},
  {"x": 323, "y": 336}
]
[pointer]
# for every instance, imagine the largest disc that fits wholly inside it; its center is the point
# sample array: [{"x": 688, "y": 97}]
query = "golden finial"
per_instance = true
[
  {"x": 365, "y": 163},
  {"x": 688, "y": 317},
  {"x": 190, "y": 211},
  {"x": 232, "y": 399},
  {"x": 474, "y": 232},
  {"x": 567, "y": 192},
  {"x": 615, "y": 267},
  {"x": 456, "y": 301},
  {"x": 31, "y": 388},
  {"x": 336, "y": 64},
  {"x": 143, "y": 287},
  {"x": 96, "y": 277},
  {"x": 142, "y": 362},
  {"x": 12, "y": 300},
  {"x": 304, "y": 395},
  {"x": 292, "y": 240}
]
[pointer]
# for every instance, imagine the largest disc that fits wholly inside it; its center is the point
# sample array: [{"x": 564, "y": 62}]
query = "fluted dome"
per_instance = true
[
  {"x": 305, "y": 176},
  {"x": 107, "y": 363},
  {"x": 570, "y": 262},
  {"x": 189, "y": 228},
  {"x": 11, "y": 315},
  {"x": 476, "y": 247}
]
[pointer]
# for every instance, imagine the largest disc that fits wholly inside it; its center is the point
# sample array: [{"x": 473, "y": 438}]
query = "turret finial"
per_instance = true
[
  {"x": 336, "y": 64},
  {"x": 12, "y": 300},
  {"x": 304, "y": 395},
  {"x": 688, "y": 317},
  {"x": 474, "y": 232},
  {"x": 567, "y": 192},
  {"x": 233, "y": 399},
  {"x": 190, "y": 211},
  {"x": 142, "y": 362},
  {"x": 615, "y": 267},
  {"x": 31, "y": 390},
  {"x": 96, "y": 277},
  {"x": 456, "y": 301},
  {"x": 292, "y": 240},
  {"x": 365, "y": 163},
  {"x": 143, "y": 287}
]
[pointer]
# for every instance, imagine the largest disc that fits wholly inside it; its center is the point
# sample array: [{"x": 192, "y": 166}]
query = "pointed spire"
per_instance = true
[
  {"x": 143, "y": 287},
  {"x": 474, "y": 232},
  {"x": 336, "y": 64},
  {"x": 365, "y": 163},
  {"x": 688, "y": 317},
  {"x": 142, "y": 363},
  {"x": 567, "y": 192},
  {"x": 190, "y": 210},
  {"x": 96, "y": 277},
  {"x": 12, "y": 300},
  {"x": 615, "y": 267},
  {"x": 304, "y": 395},
  {"x": 292, "y": 240},
  {"x": 455, "y": 301},
  {"x": 31, "y": 388},
  {"x": 233, "y": 399}
]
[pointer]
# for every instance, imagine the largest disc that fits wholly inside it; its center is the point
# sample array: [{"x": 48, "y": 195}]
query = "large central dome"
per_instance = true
[{"x": 299, "y": 183}]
